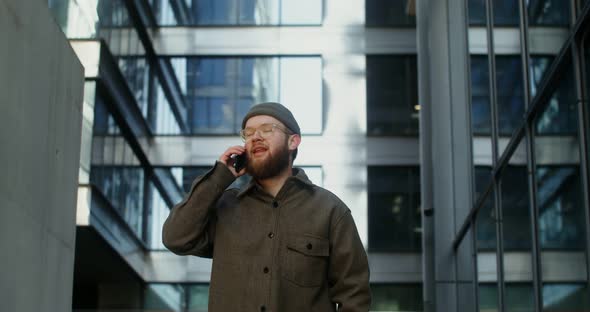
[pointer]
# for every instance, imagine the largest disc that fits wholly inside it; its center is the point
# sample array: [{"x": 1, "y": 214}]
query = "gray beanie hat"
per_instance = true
[{"x": 275, "y": 110}]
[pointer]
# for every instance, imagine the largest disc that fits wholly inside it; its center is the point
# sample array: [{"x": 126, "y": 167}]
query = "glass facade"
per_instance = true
[
  {"x": 392, "y": 95},
  {"x": 219, "y": 91},
  {"x": 537, "y": 185},
  {"x": 394, "y": 209},
  {"x": 394, "y": 13},
  {"x": 540, "y": 12},
  {"x": 237, "y": 12}
]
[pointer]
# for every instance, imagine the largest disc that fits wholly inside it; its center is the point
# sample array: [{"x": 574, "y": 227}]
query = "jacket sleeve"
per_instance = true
[
  {"x": 190, "y": 226},
  {"x": 349, "y": 267}
]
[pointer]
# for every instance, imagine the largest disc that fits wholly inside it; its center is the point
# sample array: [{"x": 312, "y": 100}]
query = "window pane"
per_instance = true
[
  {"x": 566, "y": 297},
  {"x": 561, "y": 214},
  {"x": 481, "y": 123},
  {"x": 161, "y": 118},
  {"x": 538, "y": 68},
  {"x": 505, "y": 12},
  {"x": 123, "y": 187},
  {"x": 213, "y": 12},
  {"x": 560, "y": 115},
  {"x": 219, "y": 91},
  {"x": 400, "y": 297},
  {"x": 198, "y": 297},
  {"x": 548, "y": 12},
  {"x": 518, "y": 297},
  {"x": 394, "y": 209},
  {"x": 164, "y": 297},
  {"x": 515, "y": 208},
  {"x": 384, "y": 13},
  {"x": 240, "y": 12},
  {"x": 392, "y": 95},
  {"x": 486, "y": 225},
  {"x": 510, "y": 87},
  {"x": 158, "y": 212},
  {"x": 477, "y": 12},
  {"x": 137, "y": 74}
]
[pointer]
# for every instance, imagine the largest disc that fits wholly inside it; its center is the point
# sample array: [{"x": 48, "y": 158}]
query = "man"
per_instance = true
[{"x": 278, "y": 244}]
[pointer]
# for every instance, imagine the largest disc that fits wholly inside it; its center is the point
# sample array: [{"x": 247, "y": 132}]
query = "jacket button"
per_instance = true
[
  {"x": 275, "y": 204},
  {"x": 309, "y": 246},
  {"x": 265, "y": 270},
  {"x": 271, "y": 235},
  {"x": 262, "y": 308}
]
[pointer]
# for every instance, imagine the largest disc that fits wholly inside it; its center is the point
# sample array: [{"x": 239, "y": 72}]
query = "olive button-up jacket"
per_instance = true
[{"x": 299, "y": 251}]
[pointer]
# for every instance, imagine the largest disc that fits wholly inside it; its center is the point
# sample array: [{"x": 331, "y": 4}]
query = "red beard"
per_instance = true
[{"x": 269, "y": 166}]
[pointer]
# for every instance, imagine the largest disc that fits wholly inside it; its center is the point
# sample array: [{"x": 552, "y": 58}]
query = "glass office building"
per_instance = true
[{"x": 455, "y": 130}]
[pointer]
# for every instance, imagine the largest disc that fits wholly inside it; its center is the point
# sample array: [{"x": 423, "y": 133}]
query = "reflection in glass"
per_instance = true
[
  {"x": 161, "y": 118},
  {"x": 558, "y": 179},
  {"x": 538, "y": 68},
  {"x": 87, "y": 19},
  {"x": 505, "y": 13},
  {"x": 239, "y": 12},
  {"x": 566, "y": 297},
  {"x": 518, "y": 297},
  {"x": 158, "y": 211},
  {"x": 395, "y": 222},
  {"x": 396, "y": 297},
  {"x": 392, "y": 95},
  {"x": 164, "y": 297},
  {"x": 388, "y": 13},
  {"x": 560, "y": 115},
  {"x": 136, "y": 71},
  {"x": 219, "y": 91},
  {"x": 541, "y": 12},
  {"x": 548, "y": 12},
  {"x": 123, "y": 187},
  {"x": 561, "y": 214},
  {"x": 198, "y": 297}
]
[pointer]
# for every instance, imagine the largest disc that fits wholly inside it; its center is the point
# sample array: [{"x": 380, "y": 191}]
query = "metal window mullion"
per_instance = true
[
  {"x": 494, "y": 137},
  {"x": 582, "y": 82},
  {"x": 475, "y": 266},
  {"x": 531, "y": 177},
  {"x": 582, "y": 126}
]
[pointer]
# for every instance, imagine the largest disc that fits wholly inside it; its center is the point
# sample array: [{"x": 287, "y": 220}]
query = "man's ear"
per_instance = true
[{"x": 294, "y": 141}]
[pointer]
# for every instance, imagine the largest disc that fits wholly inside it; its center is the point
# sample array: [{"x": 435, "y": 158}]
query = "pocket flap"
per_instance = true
[{"x": 309, "y": 245}]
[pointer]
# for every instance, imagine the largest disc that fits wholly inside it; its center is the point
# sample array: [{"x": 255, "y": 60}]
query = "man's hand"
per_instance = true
[{"x": 227, "y": 160}]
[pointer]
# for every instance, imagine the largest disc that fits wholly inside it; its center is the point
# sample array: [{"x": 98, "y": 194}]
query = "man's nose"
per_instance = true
[{"x": 257, "y": 136}]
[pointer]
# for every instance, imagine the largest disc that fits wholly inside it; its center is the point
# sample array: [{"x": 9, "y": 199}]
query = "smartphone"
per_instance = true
[{"x": 239, "y": 161}]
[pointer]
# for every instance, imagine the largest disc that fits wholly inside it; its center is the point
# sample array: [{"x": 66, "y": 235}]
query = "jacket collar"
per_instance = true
[{"x": 298, "y": 176}]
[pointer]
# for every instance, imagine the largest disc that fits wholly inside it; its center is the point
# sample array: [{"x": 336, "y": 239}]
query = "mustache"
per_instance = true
[{"x": 260, "y": 145}]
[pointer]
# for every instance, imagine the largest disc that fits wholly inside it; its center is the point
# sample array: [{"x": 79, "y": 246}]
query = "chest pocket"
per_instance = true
[{"x": 305, "y": 260}]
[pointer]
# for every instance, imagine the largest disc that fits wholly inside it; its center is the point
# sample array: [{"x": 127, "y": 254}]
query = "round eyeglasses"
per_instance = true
[{"x": 265, "y": 131}]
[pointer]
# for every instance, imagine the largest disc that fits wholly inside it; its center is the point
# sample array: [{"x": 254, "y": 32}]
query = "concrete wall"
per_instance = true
[{"x": 41, "y": 84}]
